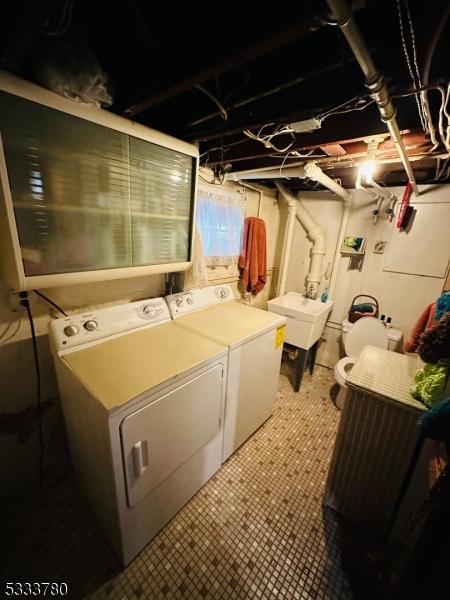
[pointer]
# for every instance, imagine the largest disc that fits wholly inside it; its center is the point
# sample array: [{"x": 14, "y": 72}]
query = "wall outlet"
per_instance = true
[{"x": 15, "y": 299}]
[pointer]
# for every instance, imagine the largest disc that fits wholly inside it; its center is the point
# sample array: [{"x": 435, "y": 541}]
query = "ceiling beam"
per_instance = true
[
  {"x": 416, "y": 142},
  {"x": 274, "y": 90},
  {"x": 266, "y": 46}
]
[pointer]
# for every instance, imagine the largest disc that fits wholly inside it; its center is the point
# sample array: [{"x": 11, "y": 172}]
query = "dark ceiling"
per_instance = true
[{"x": 206, "y": 74}]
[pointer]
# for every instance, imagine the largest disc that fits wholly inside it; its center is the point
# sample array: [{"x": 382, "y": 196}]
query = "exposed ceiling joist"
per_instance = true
[{"x": 267, "y": 46}]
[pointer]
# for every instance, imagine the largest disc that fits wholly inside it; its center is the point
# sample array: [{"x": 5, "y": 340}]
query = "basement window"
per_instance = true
[{"x": 220, "y": 218}]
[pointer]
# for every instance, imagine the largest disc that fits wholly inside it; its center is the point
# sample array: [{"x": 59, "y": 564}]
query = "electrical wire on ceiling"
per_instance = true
[
  {"x": 418, "y": 80},
  {"x": 238, "y": 89},
  {"x": 443, "y": 172},
  {"x": 266, "y": 140},
  {"x": 147, "y": 35},
  {"x": 296, "y": 154},
  {"x": 347, "y": 106},
  {"x": 223, "y": 147},
  {"x": 282, "y": 165},
  {"x": 217, "y": 102},
  {"x": 414, "y": 73},
  {"x": 354, "y": 104},
  {"x": 354, "y": 108}
]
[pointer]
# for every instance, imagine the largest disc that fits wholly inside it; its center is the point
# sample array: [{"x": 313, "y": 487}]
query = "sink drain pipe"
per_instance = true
[{"x": 315, "y": 233}]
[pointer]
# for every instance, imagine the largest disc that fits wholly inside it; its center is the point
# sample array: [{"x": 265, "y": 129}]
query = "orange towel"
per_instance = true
[{"x": 253, "y": 260}]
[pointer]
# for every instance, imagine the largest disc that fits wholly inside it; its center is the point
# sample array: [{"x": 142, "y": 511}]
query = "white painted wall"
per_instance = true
[
  {"x": 18, "y": 434},
  {"x": 401, "y": 296}
]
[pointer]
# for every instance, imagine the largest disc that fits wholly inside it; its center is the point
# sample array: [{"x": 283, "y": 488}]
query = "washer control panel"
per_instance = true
[
  {"x": 186, "y": 302},
  {"x": 82, "y": 328}
]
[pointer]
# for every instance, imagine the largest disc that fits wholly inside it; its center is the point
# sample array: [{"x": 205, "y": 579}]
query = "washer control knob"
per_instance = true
[
  {"x": 189, "y": 300},
  {"x": 179, "y": 302},
  {"x": 90, "y": 325},
  {"x": 71, "y": 330},
  {"x": 223, "y": 293},
  {"x": 149, "y": 311}
]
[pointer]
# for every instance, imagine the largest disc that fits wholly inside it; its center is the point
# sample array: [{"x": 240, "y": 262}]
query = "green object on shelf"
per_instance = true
[
  {"x": 430, "y": 382},
  {"x": 353, "y": 242}
]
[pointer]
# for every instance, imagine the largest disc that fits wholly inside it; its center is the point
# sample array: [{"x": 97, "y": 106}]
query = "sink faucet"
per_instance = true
[{"x": 309, "y": 293}]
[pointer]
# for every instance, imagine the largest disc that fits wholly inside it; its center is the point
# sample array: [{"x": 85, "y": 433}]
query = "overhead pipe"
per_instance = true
[
  {"x": 255, "y": 189},
  {"x": 315, "y": 233},
  {"x": 374, "y": 80},
  {"x": 297, "y": 209},
  {"x": 270, "y": 92},
  {"x": 381, "y": 190},
  {"x": 314, "y": 172},
  {"x": 267, "y": 173}
]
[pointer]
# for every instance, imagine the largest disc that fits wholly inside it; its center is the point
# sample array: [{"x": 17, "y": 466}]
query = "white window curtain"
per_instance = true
[
  {"x": 220, "y": 217},
  {"x": 197, "y": 275}
]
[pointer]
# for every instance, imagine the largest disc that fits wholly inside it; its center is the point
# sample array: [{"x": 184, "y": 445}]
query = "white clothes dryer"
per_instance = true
[{"x": 143, "y": 402}]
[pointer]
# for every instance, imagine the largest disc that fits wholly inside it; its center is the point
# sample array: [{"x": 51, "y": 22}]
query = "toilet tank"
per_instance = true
[{"x": 394, "y": 335}]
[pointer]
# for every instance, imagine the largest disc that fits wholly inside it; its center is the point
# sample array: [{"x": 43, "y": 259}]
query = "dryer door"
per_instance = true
[{"x": 160, "y": 437}]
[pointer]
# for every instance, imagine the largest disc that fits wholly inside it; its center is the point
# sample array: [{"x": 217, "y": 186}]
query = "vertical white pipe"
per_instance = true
[
  {"x": 315, "y": 233},
  {"x": 315, "y": 172},
  {"x": 286, "y": 250},
  {"x": 258, "y": 191}
]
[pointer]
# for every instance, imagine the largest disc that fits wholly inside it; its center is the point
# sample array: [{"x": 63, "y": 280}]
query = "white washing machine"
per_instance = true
[
  {"x": 143, "y": 402},
  {"x": 254, "y": 338}
]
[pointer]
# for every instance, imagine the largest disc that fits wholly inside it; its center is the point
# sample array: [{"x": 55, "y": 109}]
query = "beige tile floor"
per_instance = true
[{"x": 257, "y": 529}]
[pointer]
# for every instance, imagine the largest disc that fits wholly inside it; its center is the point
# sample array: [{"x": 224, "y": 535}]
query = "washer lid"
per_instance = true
[
  {"x": 231, "y": 323},
  {"x": 367, "y": 331}
]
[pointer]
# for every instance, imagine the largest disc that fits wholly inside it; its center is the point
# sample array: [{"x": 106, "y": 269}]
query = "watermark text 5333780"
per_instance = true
[{"x": 39, "y": 589}]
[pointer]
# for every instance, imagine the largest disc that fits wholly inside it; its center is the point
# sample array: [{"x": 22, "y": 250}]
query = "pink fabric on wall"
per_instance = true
[{"x": 424, "y": 322}]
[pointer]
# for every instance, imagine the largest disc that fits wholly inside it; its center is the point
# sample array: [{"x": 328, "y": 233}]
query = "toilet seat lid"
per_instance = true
[{"x": 367, "y": 331}]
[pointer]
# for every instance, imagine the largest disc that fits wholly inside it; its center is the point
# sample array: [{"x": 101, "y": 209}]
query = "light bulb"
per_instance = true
[{"x": 367, "y": 169}]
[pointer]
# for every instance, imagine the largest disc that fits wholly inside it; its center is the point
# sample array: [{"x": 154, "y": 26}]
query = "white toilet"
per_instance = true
[{"x": 367, "y": 331}]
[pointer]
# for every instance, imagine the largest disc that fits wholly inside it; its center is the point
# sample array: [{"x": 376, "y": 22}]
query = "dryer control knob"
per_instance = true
[
  {"x": 189, "y": 301},
  {"x": 149, "y": 311},
  {"x": 179, "y": 302},
  {"x": 90, "y": 325},
  {"x": 223, "y": 293},
  {"x": 71, "y": 330}
]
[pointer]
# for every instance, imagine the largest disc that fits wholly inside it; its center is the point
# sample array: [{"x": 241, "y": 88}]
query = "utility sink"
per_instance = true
[{"x": 306, "y": 318}]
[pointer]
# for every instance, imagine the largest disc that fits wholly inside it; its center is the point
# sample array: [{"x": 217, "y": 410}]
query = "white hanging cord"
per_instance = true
[
  {"x": 414, "y": 53},
  {"x": 266, "y": 140},
  {"x": 447, "y": 114},
  {"x": 219, "y": 105},
  {"x": 410, "y": 69}
]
